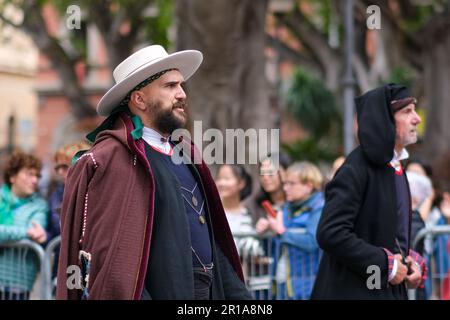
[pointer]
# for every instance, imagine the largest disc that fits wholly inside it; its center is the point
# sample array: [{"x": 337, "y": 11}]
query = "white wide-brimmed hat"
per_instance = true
[{"x": 140, "y": 66}]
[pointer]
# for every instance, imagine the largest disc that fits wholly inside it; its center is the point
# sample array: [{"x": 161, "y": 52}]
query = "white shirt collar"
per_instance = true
[
  {"x": 402, "y": 156},
  {"x": 395, "y": 162},
  {"x": 155, "y": 139}
]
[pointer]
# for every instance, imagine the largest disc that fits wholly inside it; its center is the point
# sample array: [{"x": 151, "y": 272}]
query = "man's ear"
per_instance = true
[{"x": 137, "y": 100}]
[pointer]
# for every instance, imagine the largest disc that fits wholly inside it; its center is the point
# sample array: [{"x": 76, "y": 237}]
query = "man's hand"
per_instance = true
[
  {"x": 414, "y": 279},
  {"x": 402, "y": 270}
]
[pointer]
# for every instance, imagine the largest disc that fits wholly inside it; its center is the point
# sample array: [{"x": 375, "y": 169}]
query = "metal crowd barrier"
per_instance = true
[
  {"x": 256, "y": 257},
  {"x": 50, "y": 261},
  {"x": 15, "y": 258},
  {"x": 267, "y": 281},
  {"x": 436, "y": 243},
  {"x": 255, "y": 252}
]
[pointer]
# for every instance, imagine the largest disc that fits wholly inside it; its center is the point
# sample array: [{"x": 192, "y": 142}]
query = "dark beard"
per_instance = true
[{"x": 165, "y": 121}]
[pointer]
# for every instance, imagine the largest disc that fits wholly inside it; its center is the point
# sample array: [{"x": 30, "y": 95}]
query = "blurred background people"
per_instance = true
[
  {"x": 441, "y": 251},
  {"x": 296, "y": 252},
  {"x": 234, "y": 185},
  {"x": 421, "y": 168},
  {"x": 421, "y": 190},
  {"x": 438, "y": 284},
  {"x": 62, "y": 159},
  {"x": 23, "y": 215},
  {"x": 337, "y": 163},
  {"x": 271, "y": 189}
]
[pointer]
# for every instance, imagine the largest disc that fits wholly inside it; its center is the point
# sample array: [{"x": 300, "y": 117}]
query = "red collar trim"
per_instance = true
[
  {"x": 398, "y": 171},
  {"x": 162, "y": 151}
]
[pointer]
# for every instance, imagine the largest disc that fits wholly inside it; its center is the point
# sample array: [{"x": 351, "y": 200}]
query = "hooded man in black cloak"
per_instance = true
[{"x": 366, "y": 222}]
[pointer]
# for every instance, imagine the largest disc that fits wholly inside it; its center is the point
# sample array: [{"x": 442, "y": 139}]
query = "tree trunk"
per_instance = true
[
  {"x": 34, "y": 25},
  {"x": 230, "y": 89},
  {"x": 436, "y": 37}
]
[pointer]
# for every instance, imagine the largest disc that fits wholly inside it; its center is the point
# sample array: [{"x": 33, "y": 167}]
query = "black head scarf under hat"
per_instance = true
[
  {"x": 146, "y": 82},
  {"x": 400, "y": 97},
  {"x": 123, "y": 107},
  {"x": 376, "y": 123}
]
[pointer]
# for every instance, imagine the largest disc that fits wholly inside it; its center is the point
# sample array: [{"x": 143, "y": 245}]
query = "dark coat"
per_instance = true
[
  {"x": 108, "y": 211},
  {"x": 360, "y": 214}
]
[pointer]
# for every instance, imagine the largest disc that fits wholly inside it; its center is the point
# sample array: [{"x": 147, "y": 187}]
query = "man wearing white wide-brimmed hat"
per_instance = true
[{"x": 136, "y": 224}]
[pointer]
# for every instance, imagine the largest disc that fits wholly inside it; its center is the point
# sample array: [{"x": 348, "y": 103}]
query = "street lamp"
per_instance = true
[{"x": 349, "y": 79}]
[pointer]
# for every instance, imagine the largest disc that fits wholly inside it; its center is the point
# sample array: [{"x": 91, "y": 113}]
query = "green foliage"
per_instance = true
[
  {"x": 418, "y": 17},
  {"x": 312, "y": 150},
  {"x": 401, "y": 75},
  {"x": 62, "y": 5},
  {"x": 312, "y": 104},
  {"x": 158, "y": 26},
  {"x": 155, "y": 28},
  {"x": 314, "y": 107},
  {"x": 320, "y": 15},
  {"x": 78, "y": 38}
]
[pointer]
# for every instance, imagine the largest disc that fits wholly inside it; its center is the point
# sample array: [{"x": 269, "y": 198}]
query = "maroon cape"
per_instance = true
[{"x": 108, "y": 211}]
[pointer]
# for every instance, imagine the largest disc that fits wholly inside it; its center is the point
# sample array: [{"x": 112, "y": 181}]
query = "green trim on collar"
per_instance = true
[
  {"x": 138, "y": 131},
  {"x": 108, "y": 122},
  {"x": 78, "y": 156}
]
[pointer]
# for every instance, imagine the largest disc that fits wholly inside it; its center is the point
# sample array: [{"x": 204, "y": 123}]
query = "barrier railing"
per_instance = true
[
  {"x": 50, "y": 259},
  {"x": 266, "y": 263},
  {"x": 18, "y": 269},
  {"x": 255, "y": 252},
  {"x": 436, "y": 242}
]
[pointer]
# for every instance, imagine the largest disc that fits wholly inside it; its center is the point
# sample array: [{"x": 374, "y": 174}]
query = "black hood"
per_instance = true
[{"x": 376, "y": 124}]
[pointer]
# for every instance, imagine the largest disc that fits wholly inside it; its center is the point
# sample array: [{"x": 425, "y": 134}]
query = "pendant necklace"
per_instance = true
[
  {"x": 194, "y": 199},
  {"x": 201, "y": 217}
]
